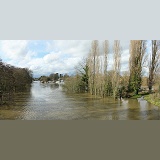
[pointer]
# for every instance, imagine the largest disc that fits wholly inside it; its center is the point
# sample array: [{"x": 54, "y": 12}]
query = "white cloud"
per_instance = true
[
  {"x": 51, "y": 57},
  {"x": 71, "y": 47},
  {"x": 57, "y": 56},
  {"x": 14, "y": 49}
]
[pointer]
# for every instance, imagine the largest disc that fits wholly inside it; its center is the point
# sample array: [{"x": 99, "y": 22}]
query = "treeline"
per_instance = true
[
  {"x": 53, "y": 77},
  {"x": 93, "y": 75},
  {"x": 13, "y": 79}
]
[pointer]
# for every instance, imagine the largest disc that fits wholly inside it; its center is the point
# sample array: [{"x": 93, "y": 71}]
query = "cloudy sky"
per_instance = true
[{"x": 44, "y": 57}]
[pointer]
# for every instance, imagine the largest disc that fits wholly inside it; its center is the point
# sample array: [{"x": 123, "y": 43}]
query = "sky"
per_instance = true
[{"x": 44, "y": 57}]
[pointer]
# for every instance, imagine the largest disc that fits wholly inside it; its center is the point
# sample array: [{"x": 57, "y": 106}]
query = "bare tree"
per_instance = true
[
  {"x": 106, "y": 51},
  {"x": 105, "y": 65},
  {"x": 116, "y": 67},
  {"x": 154, "y": 63},
  {"x": 93, "y": 63}
]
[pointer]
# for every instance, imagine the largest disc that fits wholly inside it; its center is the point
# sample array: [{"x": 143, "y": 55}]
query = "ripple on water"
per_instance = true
[{"x": 49, "y": 102}]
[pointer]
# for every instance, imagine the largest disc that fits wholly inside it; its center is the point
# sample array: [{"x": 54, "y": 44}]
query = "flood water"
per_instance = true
[{"x": 49, "y": 102}]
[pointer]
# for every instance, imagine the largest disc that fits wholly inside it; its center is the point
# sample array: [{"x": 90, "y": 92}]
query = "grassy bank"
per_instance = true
[
  {"x": 139, "y": 95},
  {"x": 154, "y": 99}
]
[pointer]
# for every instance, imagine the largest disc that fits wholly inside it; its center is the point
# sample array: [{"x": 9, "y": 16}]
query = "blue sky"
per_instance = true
[{"x": 44, "y": 57}]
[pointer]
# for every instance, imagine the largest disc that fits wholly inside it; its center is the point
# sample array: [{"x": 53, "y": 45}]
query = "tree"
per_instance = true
[
  {"x": 22, "y": 79},
  {"x": 65, "y": 76},
  {"x": 116, "y": 67},
  {"x": 136, "y": 61},
  {"x": 93, "y": 64},
  {"x": 82, "y": 70},
  {"x": 105, "y": 67},
  {"x": 54, "y": 76},
  {"x": 51, "y": 76},
  {"x": 154, "y": 63},
  {"x": 124, "y": 82},
  {"x": 13, "y": 79},
  {"x": 109, "y": 86}
]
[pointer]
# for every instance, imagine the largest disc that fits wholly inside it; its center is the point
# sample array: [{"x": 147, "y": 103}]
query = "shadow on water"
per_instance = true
[{"x": 48, "y": 101}]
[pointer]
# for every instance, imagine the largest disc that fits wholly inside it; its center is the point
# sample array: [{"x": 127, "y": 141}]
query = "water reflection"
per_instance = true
[
  {"x": 48, "y": 101},
  {"x": 16, "y": 109}
]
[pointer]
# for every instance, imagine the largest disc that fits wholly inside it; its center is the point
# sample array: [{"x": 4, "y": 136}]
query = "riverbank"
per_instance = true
[
  {"x": 152, "y": 99},
  {"x": 139, "y": 95}
]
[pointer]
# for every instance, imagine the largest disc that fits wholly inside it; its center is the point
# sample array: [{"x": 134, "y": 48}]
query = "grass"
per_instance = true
[
  {"x": 139, "y": 95},
  {"x": 153, "y": 99}
]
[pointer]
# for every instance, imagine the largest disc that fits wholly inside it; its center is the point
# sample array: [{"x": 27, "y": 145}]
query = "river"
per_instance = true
[{"x": 50, "y": 102}]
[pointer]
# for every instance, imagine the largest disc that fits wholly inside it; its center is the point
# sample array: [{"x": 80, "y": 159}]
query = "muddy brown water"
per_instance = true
[{"x": 50, "y": 102}]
